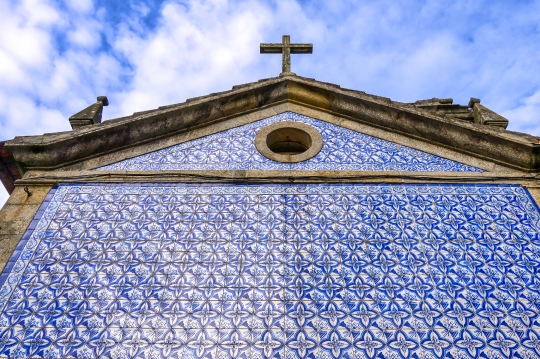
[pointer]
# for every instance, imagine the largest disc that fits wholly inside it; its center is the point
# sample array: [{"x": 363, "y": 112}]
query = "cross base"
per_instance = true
[{"x": 287, "y": 73}]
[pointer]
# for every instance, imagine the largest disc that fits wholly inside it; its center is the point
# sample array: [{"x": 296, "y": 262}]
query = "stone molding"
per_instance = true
[
  {"x": 140, "y": 149},
  {"x": 90, "y": 115},
  {"x": 314, "y": 149},
  {"x": 485, "y": 116},
  {"x": 276, "y": 176},
  {"x": 16, "y": 216},
  {"x": 53, "y": 151}
]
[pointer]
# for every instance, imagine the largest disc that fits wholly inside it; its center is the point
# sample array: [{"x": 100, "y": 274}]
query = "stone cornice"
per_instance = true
[
  {"x": 51, "y": 151},
  {"x": 276, "y": 176}
]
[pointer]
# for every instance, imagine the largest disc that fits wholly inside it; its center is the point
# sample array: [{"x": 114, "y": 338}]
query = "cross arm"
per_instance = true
[
  {"x": 286, "y": 48},
  {"x": 301, "y": 48},
  {"x": 271, "y": 48}
]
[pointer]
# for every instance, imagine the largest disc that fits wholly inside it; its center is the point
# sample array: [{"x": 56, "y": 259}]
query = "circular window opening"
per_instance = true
[{"x": 288, "y": 141}]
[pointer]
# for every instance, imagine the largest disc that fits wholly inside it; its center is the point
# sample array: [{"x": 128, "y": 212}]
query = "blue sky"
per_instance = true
[{"x": 57, "y": 56}]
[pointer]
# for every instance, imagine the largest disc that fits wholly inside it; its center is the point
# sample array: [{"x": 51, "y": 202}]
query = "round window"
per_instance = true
[{"x": 288, "y": 141}]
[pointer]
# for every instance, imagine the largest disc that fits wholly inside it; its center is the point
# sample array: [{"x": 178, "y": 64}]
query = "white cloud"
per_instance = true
[
  {"x": 25, "y": 41},
  {"x": 192, "y": 51},
  {"x": 86, "y": 35},
  {"x": 527, "y": 114},
  {"x": 81, "y": 6}
]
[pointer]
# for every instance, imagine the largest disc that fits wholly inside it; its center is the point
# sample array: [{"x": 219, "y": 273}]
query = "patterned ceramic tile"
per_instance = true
[
  {"x": 288, "y": 271},
  {"x": 343, "y": 149}
]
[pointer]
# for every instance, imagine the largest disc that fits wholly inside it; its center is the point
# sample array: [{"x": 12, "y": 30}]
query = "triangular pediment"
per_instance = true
[
  {"x": 451, "y": 144},
  {"x": 342, "y": 150}
]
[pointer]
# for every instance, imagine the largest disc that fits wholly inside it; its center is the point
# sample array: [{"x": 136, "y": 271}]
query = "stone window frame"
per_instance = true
[{"x": 312, "y": 151}]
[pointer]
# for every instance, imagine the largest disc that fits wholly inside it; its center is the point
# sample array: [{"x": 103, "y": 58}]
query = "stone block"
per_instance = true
[
  {"x": 16, "y": 216},
  {"x": 19, "y": 196},
  {"x": 8, "y": 243},
  {"x": 485, "y": 116},
  {"x": 15, "y": 212},
  {"x": 90, "y": 115},
  {"x": 535, "y": 193},
  {"x": 14, "y": 227}
]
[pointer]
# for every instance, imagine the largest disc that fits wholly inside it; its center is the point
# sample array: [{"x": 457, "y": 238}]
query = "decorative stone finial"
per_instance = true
[
  {"x": 485, "y": 116},
  {"x": 90, "y": 115},
  {"x": 104, "y": 100},
  {"x": 286, "y": 48},
  {"x": 472, "y": 101}
]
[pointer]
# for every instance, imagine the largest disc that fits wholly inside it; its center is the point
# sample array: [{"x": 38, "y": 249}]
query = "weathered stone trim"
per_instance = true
[
  {"x": 8, "y": 169},
  {"x": 400, "y": 139},
  {"x": 50, "y": 151},
  {"x": 534, "y": 190},
  {"x": 172, "y": 139},
  {"x": 137, "y": 150},
  {"x": 16, "y": 216},
  {"x": 255, "y": 176}
]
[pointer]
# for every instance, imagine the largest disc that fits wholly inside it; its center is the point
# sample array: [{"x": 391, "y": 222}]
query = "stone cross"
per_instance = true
[{"x": 286, "y": 48}]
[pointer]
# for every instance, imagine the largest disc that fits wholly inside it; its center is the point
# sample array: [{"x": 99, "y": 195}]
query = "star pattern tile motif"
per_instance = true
[
  {"x": 283, "y": 271},
  {"x": 343, "y": 149}
]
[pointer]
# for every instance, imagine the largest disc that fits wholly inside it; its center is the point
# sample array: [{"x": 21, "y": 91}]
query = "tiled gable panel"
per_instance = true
[
  {"x": 343, "y": 149},
  {"x": 288, "y": 271}
]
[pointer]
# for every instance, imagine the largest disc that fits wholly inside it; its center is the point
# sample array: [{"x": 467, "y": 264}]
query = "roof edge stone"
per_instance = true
[{"x": 513, "y": 149}]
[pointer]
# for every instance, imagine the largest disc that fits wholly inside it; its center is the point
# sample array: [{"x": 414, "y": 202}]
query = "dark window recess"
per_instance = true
[{"x": 288, "y": 141}]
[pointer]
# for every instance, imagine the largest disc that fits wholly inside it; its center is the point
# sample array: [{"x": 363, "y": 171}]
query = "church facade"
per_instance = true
[{"x": 286, "y": 218}]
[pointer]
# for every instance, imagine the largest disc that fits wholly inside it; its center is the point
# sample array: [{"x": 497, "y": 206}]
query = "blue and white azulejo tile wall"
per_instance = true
[
  {"x": 343, "y": 149},
  {"x": 283, "y": 271}
]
